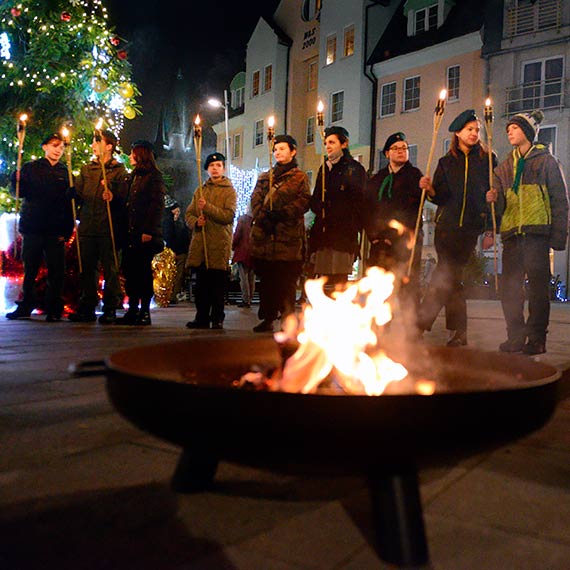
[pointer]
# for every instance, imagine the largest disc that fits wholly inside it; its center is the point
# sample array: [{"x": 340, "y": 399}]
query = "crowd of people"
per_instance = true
[{"x": 129, "y": 216}]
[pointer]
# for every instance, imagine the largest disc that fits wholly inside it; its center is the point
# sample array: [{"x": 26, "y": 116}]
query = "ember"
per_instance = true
[{"x": 339, "y": 342}]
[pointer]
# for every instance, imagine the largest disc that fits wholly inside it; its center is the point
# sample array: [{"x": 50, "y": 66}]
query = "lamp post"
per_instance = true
[{"x": 217, "y": 104}]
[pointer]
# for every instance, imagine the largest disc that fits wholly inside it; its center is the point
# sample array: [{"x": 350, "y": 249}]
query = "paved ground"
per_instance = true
[{"x": 80, "y": 487}]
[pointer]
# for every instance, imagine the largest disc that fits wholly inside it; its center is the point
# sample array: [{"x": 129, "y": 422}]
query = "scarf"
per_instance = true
[
  {"x": 334, "y": 158},
  {"x": 519, "y": 162},
  {"x": 386, "y": 185},
  {"x": 280, "y": 169}
]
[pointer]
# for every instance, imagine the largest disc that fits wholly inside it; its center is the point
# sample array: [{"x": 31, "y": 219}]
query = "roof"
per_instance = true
[{"x": 464, "y": 18}]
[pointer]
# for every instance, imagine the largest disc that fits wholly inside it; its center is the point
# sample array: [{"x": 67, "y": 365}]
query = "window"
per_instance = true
[
  {"x": 309, "y": 174},
  {"x": 348, "y": 48},
  {"x": 236, "y": 147},
  {"x": 388, "y": 99},
  {"x": 547, "y": 136},
  {"x": 411, "y": 93},
  {"x": 238, "y": 98},
  {"x": 331, "y": 49},
  {"x": 529, "y": 16},
  {"x": 453, "y": 79},
  {"x": 258, "y": 133},
  {"x": 425, "y": 19},
  {"x": 337, "y": 106},
  {"x": 267, "y": 78},
  {"x": 381, "y": 159},
  {"x": 542, "y": 83},
  {"x": 446, "y": 145},
  {"x": 310, "y": 134},
  {"x": 313, "y": 75},
  {"x": 413, "y": 153},
  {"x": 255, "y": 84}
]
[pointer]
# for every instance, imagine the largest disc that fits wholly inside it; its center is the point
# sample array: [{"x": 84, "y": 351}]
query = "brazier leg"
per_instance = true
[
  {"x": 398, "y": 518},
  {"x": 195, "y": 471}
]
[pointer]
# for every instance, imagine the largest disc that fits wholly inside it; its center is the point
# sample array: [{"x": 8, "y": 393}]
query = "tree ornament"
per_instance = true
[
  {"x": 16, "y": 12},
  {"x": 99, "y": 85},
  {"x": 126, "y": 90},
  {"x": 115, "y": 40},
  {"x": 129, "y": 112},
  {"x": 66, "y": 16},
  {"x": 122, "y": 54}
]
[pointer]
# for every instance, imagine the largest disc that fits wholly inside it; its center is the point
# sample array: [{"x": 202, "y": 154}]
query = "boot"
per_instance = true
[
  {"x": 534, "y": 346},
  {"x": 108, "y": 317},
  {"x": 263, "y": 326},
  {"x": 129, "y": 318},
  {"x": 21, "y": 312},
  {"x": 512, "y": 345},
  {"x": 457, "y": 338},
  {"x": 82, "y": 315},
  {"x": 143, "y": 319}
]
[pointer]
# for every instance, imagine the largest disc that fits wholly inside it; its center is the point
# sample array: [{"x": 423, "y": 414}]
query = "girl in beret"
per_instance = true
[{"x": 458, "y": 188}]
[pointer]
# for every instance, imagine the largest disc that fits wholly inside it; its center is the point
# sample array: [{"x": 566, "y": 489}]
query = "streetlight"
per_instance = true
[{"x": 217, "y": 104}]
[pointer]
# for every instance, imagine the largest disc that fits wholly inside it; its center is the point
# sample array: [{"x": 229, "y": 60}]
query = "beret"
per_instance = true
[
  {"x": 393, "y": 138},
  {"x": 143, "y": 144},
  {"x": 214, "y": 157},
  {"x": 462, "y": 119},
  {"x": 336, "y": 131},
  {"x": 51, "y": 137},
  {"x": 285, "y": 139}
]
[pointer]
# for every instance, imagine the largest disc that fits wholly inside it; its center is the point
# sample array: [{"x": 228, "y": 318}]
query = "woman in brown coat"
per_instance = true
[{"x": 278, "y": 233}]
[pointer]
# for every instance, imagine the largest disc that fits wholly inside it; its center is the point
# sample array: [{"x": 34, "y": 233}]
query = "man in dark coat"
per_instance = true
[
  {"x": 335, "y": 236},
  {"x": 46, "y": 223}
]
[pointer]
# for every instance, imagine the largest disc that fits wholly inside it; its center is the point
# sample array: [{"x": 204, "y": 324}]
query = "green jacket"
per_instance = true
[
  {"x": 220, "y": 210},
  {"x": 540, "y": 206},
  {"x": 92, "y": 207}
]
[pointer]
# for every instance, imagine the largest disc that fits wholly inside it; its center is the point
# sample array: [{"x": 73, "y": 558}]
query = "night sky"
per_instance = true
[{"x": 208, "y": 47}]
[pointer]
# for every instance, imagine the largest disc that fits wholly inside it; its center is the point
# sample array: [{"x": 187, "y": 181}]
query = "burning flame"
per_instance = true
[
  {"x": 23, "y": 118},
  {"x": 443, "y": 94},
  {"x": 339, "y": 335},
  {"x": 99, "y": 124},
  {"x": 271, "y": 121},
  {"x": 320, "y": 107},
  {"x": 65, "y": 133},
  {"x": 197, "y": 120}
]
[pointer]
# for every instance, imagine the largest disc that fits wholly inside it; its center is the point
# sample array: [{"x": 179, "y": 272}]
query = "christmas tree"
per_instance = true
[{"x": 62, "y": 65}]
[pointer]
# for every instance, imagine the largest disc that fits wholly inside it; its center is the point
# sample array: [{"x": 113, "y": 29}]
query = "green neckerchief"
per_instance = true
[
  {"x": 386, "y": 184},
  {"x": 518, "y": 164}
]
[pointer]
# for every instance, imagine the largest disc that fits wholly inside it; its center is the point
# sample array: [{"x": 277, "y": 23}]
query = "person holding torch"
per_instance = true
[
  {"x": 458, "y": 188},
  {"x": 94, "y": 229},
  {"x": 46, "y": 223}
]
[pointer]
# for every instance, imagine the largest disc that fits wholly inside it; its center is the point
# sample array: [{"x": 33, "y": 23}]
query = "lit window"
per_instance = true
[
  {"x": 337, "y": 106},
  {"x": 388, "y": 99},
  {"x": 453, "y": 80},
  {"x": 258, "y": 133},
  {"x": 267, "y": 78},
  {"x": 411, "y": 93},
  {"x": 255, "y": 84},
  {"x": 348, "y": 41},
  {"x": 331, "y": 49}
]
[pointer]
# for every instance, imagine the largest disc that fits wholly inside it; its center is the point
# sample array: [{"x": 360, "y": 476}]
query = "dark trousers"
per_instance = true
[
  {"x": 137, "y": 269},
  {"x": 36, "y": 247},
  {"x": 446, "y": 286},
  {"x": 277, "y": 287},
  {"x": 95, "y": 249},
  {"x": 210, "y": 294},
  {"x": 526, "y": 255}
]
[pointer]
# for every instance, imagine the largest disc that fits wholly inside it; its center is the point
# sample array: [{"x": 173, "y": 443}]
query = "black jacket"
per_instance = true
[
  {"x": 344, "y": 191},
  {"x": 46, "y": 207}
]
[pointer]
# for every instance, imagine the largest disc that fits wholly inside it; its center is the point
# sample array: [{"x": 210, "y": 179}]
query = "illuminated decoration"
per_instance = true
[
  {"x": 61, "y": 67},
  {"x": 4, "y": 46},
  {"x": 243, "y": 182},
  {"x": 164, "y": 275}
]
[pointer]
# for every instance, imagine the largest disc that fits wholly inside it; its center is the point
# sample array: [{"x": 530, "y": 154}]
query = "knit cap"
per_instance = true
[{"x": 528, "y": 122}]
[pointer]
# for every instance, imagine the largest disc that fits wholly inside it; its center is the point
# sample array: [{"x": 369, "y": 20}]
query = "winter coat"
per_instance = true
[
  {"x": 176, "y": 233},
  {"x": 344, "y": 193},
  {"x": 241, "y": 241},
  {"x": 46, "y": 205},
  {"x": 540, "y": 206},
  {"x": 401, "y": 202},
  {"x": 278, "y": 233},
  {"x": 220, "y": 210},
  {"x": 145, "y": 206},
  {"x": 92, "y": 210},
  {"x": 461, "y": 183}
]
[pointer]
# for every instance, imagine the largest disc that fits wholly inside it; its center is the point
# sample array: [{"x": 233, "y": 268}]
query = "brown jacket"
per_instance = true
[{"x": 220, "y": 210}]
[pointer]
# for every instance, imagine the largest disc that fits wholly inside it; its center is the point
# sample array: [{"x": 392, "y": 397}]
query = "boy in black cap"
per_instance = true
[
  {"x": 335, "y": 236},
  {"x": 94, "y": 230},
  {"x": 532, "y": 199},
  {"x": 278, "y": 232},
  {"x": 459, "y": 185},
  {"x": 394, "y": 194},
  {"x": 46, "y": 223},
  {"x": 210, "y": 215}
]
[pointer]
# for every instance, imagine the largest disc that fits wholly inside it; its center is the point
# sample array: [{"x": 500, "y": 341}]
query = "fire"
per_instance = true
[{"x": 340, "y": 335}]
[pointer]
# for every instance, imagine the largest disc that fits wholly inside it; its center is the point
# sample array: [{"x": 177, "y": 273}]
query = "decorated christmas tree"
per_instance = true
[{"x": 61, "y": 64}]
